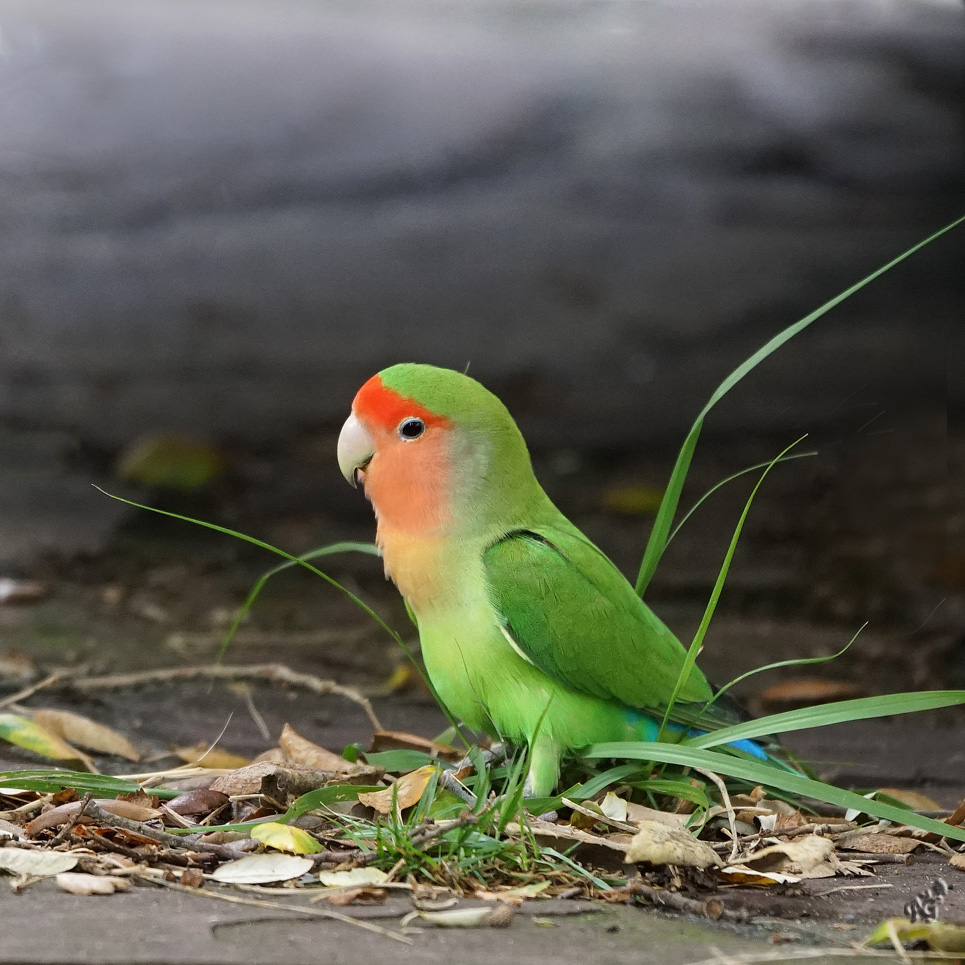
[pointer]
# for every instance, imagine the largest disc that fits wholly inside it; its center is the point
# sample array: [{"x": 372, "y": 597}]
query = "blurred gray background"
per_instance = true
[{"x": 220, "y": 217}]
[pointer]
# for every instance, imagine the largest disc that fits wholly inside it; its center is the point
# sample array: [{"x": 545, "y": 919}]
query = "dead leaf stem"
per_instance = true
[{"x": 161, "y": 837}]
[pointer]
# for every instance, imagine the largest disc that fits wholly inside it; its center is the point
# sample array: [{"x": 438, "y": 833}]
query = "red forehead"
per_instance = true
[{"x": 379, "y": 405}]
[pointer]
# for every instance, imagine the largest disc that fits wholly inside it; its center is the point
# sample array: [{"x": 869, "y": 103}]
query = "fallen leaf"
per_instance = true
[
  {"x": 81, "y": 884},
  {"x": 640, "y": 812},
  {"x": 286, "y": 781},
  {"x": 20, "y": 861},
  {"x": 203, "y": 755},
  {"x": 957, "y": 817},
  {"x": 202, "y": 800},
  {"x": 741, "y": 875},
  {"x": 353, "y": 878},
  {"x": 87, "y": 733},
  {"x": 283, "y": 837},
  {"x": 518, "y": 894},
  {"x": 807, "y": 857},
  {"x": 912, "y": 799},
  {"x": 29, "y": 735},
  {"x": 657, "y": 844},
  {"x": 405, "y": 792},
  {"x": 807, "y": 692},
  {"x": 64, "y": 812},
  {"x": 307, "y": 754},
  {"x": 262, "y": 869},
  {"x": 8, "y": 830},
  {"x": 614, "y": 807},
  {"x": 879, "y": 843},
  {"x": 191, "y": 878},
  {"x": 341, "y": 897},
  {"x": 170, "y": 461},
  {"x": 957, "y": 861},
  {"x": 499, "y": 917}
]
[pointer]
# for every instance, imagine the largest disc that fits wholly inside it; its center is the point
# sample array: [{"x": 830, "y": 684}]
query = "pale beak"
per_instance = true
[{"x": 355, "y": 449}]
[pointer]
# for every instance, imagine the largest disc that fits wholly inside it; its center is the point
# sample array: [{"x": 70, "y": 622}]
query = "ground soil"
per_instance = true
[{"x": 858, "y": 533}]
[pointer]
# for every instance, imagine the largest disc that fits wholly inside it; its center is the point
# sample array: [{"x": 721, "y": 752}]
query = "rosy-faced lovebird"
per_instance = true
[{"x": 528, "y": 631}]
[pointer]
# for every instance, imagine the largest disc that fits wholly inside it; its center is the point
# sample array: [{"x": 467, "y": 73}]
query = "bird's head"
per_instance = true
[{"x": 435, "y": 451}]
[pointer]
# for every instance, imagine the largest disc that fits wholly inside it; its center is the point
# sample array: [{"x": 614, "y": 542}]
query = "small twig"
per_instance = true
[
  {"x": 189, "y": 841},
  {"x": 38, "y": 805},
  {"x": 824, "y": 829},
  {"x": 257, "y": 903},
  {"x": 272, "y": 672},
  {"x": 712, "y": 908},
  {"x": 880, "y": 858},
  {"x": 32, "y": 689},
  {"x": 74, "y": 819}
]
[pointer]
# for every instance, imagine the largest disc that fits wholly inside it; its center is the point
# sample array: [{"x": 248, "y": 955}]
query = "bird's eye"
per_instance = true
[{"x": 410, "y": 429}]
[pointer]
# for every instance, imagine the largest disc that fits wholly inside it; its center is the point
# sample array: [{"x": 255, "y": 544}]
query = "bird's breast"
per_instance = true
[{"x": 433, "y": 574}]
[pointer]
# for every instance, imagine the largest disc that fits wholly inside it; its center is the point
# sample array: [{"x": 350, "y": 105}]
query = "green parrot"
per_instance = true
[{"x": 528, "y": 631}]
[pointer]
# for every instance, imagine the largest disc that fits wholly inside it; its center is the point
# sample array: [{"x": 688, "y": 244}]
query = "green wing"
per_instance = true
[{"x": 571, "y": 613}]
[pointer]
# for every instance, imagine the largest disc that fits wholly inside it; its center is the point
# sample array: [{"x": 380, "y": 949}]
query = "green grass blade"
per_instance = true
[
  {"x": 757, "y": 772},
  {"x": 661, "y": 528},
  {"x": 50, "y": 780},
  {"x": 344, "y": 547},
  {"x": 698, "y": 641},
  {"x": 794, "y": 662},
  {"x": 839, "y": 712},
  {"x": 743, "y": 472},
  {"x": 668, "y": 507}
]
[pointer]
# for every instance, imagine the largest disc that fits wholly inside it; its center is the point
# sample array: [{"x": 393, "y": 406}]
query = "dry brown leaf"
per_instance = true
[
  {"x": 202, "y": 800},
  {"x": 393, "y": 740},
  {"x": 191, "y": 878},
  {"x": 913, "y": 799},
  {"x": 303, "y": 752},
  {"x": 806, "y": 692},
  {"x": 274, "y": 755},
  {"x": 361, "y": 896},
  {"x": 64, "y": 812},
  {"x": 204, "y": 755},
  {"x": 657, "y": 844},
  {"x": 807, "y": 857},
  {"x": 281, "y": 782},
  {"x": 877, "y": 843},
  {"x": 87, "y": 733},
  {"x": 639, "y": 812},
  {"x": 957, "y": 817},
  {"x": 405, "y": 792},
  {"x": 81, "y": 884},
  {"x": 957, "y": 861}
]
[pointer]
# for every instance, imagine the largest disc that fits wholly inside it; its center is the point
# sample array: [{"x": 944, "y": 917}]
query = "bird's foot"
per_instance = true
[
  {"x": 450, "y": 782},
  {"x": 494, "y": 754}
]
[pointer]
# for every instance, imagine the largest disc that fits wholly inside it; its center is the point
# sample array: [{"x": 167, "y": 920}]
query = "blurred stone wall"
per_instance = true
[{"x": 222, "y": 216}]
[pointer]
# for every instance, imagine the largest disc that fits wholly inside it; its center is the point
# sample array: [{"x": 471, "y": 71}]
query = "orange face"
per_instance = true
[{"x": 399, "y": 451}]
